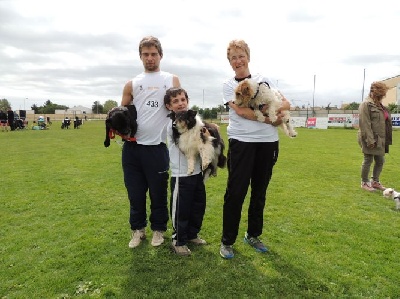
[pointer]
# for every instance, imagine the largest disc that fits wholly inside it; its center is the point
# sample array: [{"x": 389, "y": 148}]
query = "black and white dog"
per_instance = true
[
  {"x": 121, "y": 121},
  {"x": 188, "y": 132}
]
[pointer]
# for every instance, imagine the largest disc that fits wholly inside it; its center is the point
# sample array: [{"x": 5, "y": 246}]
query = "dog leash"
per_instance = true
[
  {"x": 113, "y": 132},
  {"x": 258, "y": 89},
  {"x": 176, "y": 197}
]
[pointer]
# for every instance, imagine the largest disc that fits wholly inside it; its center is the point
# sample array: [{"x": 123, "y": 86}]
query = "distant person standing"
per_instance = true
[
  {"x": 145, "y": 162},
  {"x": 10, "y": 117},
  {"x": 3, "y": 121},
  {"x": 374, "y": 135}
]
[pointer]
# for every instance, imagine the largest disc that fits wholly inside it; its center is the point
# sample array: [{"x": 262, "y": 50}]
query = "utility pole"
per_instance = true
[
  {"x": 313, "y": 111},
  {"x": 362, "y": 94}
]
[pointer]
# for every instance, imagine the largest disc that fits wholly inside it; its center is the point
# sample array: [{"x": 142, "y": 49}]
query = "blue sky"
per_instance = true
[{"x": 77, "y": 52}]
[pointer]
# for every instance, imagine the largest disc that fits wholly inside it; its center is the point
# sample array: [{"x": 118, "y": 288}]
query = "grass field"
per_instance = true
[{"x": 65, "y": 232}]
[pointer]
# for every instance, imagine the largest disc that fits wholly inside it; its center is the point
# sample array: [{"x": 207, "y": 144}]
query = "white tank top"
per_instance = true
[
  {"x": 148, "y": 90},
  {"x": 242, "y": 129}
]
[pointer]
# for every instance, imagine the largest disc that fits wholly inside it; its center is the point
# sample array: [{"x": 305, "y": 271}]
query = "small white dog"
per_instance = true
[
  {"x": 253, "y": 95},
  {"x": 392, "y": 194}
]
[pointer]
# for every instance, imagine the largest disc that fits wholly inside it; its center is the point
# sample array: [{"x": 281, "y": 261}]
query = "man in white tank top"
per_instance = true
[{"x": 146, "y": 162}]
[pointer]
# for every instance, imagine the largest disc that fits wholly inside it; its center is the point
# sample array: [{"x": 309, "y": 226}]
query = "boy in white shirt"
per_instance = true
[{"x": 188, "y": 193}]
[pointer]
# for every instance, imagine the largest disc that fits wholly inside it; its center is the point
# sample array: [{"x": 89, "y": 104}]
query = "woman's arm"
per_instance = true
[{"x": 249, "y": 114}]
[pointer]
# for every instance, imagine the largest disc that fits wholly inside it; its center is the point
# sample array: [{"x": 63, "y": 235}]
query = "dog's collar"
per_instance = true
[
  {"x": 258, "y": 89},
  {"x": 113, "y": 132},
  {"x": 396, "y": 197}
]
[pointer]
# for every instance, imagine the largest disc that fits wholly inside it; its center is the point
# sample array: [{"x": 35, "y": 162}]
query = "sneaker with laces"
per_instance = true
[
  {"x": 198, "y": 241},
  {"x": 377, "y": 185},
  {"x": 367, "y": 186},
  {"x": 158, "y": 238},
  {"x": 255, "y": 243},
  {"x": 180, "y": 250},
  {"x": 226, "y": 251},
  {"x": 137, "y": 236}
]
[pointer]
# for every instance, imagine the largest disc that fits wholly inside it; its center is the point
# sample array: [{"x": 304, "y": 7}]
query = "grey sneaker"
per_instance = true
[
  {"x": 255, "y": 243},
  {"x": 198, "y": 241},
  {"x": 137, "y": 236},
  {"x": 158, "y": 238},
  {"x": 180, "y": 250},
  {"x": 226, "y": 251}
]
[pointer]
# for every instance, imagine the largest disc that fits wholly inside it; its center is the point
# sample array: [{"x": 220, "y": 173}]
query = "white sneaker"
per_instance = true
[
  {"x": 137, "y": 236},
  {"x": 158, "y": 238}
]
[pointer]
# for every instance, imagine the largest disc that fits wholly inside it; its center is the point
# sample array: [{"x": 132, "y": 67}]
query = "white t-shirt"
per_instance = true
[
  {"x": 243, "y": 129},
  {"x": 148, "y": 90},
  {"x": 178, "y": 161}
]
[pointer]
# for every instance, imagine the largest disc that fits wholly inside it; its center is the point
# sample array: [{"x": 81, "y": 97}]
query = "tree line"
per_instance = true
[{"x": 207, "y": 113}]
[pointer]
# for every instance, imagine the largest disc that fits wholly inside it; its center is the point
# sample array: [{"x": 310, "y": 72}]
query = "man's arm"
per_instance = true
[
  {"x": 175, "y": 82},
  {"x": 127, "y": 97},
  {"x": 249, "y": 114}
]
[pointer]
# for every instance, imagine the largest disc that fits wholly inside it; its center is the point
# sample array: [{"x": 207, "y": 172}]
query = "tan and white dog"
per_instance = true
[
  {"x": 253, "y": 95},
  {"x": 392, "y": 194},
  {"x": 188, "y": 133}
]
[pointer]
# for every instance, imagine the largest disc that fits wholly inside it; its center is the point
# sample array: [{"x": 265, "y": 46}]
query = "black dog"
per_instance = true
[
  {"x": 121, "y": 121},
  {"x": 77, "y": 122},
  {"x": 188, "y": 132}
]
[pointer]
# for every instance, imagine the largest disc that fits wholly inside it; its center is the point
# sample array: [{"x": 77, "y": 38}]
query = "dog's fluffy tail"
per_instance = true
[{"x": 221, "y": 159}]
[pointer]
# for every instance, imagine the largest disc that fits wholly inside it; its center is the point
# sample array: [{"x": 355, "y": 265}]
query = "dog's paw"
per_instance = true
[
  {"x": 260, "y": 116},
  {"x": 190, "y": 171},
  {"x": 204, "y": 166}
]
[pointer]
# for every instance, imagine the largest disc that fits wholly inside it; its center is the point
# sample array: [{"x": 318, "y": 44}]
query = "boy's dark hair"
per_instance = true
[
  {"x": 173, "y": 92},
  {"x": 150, "y": 41}
]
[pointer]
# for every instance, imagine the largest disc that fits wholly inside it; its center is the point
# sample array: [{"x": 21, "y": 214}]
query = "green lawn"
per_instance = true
[{"x": 65, "y": 232}]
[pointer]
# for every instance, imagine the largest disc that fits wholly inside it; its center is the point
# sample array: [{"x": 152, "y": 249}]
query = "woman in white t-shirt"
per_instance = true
[{"x": 252, "y": 154}]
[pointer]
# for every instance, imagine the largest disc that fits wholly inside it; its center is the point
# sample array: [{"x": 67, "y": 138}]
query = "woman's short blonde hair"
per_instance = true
[{"x": 238, "y": 44}]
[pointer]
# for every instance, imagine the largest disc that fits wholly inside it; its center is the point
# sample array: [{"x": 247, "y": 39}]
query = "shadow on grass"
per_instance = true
[{"x": 158, "y": 273}]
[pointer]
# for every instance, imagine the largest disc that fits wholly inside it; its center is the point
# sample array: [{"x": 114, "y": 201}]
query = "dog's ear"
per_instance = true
[
  {"x": 172, "y": 115},
  {"x": 107, "y": 140},
  {"x": 246, "y": 90},
  {"x": 192, "y": 113}
]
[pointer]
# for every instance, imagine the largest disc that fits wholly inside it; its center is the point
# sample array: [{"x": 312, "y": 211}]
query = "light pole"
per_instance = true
[
  {"x": 313, "y": 111},
  {"x": 362, "y": 93}
]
